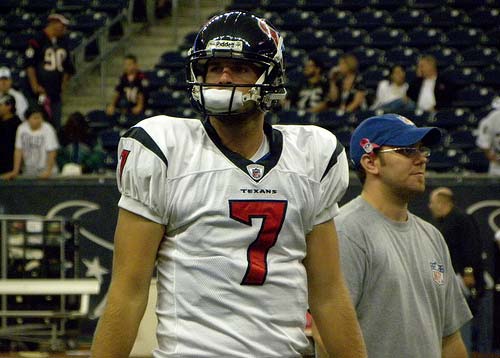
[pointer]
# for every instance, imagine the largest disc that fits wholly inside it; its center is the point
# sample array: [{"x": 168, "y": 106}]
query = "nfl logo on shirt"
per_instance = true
[
  {"x": 437, "y": 273},
  {"x": 256, "y": 171}
]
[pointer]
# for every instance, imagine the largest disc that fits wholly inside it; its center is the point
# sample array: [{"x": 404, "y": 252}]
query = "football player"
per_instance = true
[{"x": 236, "y": 213}]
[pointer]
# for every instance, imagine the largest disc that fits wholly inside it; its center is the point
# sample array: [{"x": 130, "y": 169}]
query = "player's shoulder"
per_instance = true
[
  {"x": 165, "y": 125},
  {"x": 351, "y": 213},
  {"x": 309, "y": 135}
]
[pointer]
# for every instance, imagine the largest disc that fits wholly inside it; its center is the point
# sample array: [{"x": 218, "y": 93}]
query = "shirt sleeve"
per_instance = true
[
  {"x": 484, "y": 139},
  {"x": 333, "y": 184},
  {"x": 32, "y": 53},
  {"x": 353, "y": 261},
  {"x": 142, "y": 176},
  {"x": 52, "y": 142}
]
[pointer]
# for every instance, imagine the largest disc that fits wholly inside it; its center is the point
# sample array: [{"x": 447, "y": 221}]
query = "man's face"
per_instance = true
[
  {"x": 129, "y": 66},
  {"x": 434, "y": 205},
  {"x": 4, "y": 110},
  {"x": 59, "y": 29},
  {"x": 402, "y": 172},
  {"x": 35, "y": 120},
  {"x": 310, "y": 69},
  {"x": 5, "y": 84},
  {"x": 229, "y": 71},
  {"x": 426, "y": 68}
]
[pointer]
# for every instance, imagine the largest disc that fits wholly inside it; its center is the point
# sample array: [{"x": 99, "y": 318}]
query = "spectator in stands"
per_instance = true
[
  {"x": 6, "y": 88},
  {"x": 346, "y": 92},
  {"x": 461, "y": 234},
  {"x": 9, "y": 122},
  {"x": 129, "y": 96},
  {"x": 36, "y": 147},
  {"x": 391, "y": 93},
  {"x": 78, "y": 153},
  {"x": 488, "y": 138},
  {"x": 49, "y": 66},
  {"x": 313, "y": 92},
  {"x": 430, "y": 91}
]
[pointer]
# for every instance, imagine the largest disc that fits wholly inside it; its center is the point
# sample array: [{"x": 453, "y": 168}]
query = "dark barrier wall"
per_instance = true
[{"x": 93, "y": 202}]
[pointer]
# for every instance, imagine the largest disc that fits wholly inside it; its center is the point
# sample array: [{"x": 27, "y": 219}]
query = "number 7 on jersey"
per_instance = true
[{"x": 272, "y": 213}]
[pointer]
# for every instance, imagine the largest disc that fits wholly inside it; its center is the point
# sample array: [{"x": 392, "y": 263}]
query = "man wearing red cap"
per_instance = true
[
  {"x": 49, "y": 66},
  {"x": 398, "y": 268}
]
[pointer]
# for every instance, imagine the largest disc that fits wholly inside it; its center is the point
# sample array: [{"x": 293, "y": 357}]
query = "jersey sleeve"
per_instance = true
[
  {"x": 334, "y": 182},
  {"x": 484, "y": 140},
  {"x": 142, "y": 175},
  {"x": 32, "y": 53}
]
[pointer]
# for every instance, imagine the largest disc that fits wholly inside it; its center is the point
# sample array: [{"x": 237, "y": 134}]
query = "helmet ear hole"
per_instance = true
[{"x": 246, "y": 37}]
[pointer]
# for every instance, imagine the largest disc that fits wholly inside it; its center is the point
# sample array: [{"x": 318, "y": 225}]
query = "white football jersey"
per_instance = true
[{"x": 231, "y": 282}]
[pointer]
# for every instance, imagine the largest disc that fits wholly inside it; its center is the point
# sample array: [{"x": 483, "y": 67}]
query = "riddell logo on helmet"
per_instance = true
[{"x": 225, "y": 45}]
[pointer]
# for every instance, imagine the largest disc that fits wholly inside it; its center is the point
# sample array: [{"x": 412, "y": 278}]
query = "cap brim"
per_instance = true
[{"x": 427, "y": 135}]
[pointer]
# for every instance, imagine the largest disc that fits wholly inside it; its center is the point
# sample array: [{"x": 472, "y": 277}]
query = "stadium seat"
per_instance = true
[
  {"x": 98, "y": 120},
  {"x": 404, "y": 56},
  {"x": 172, "y": 60},
  {"x": 451, "y": 118},
  {"x": 475, "y": 160},
  {"x": 109, "y": 139},
  {"x": 310, "y": 39},
  {"x": 385, "y": 4},
  {"x": 279, "y": 5},
  {"x": 426, "y": 4},
  {"x": 315, "y": 5},
  {"x": 156, "y": 78},
  {"x": 294, "y": 58},
  {"x": 468, "y": 4},
  {"x": 444, "y": 17},
  {"x": 7, "y": 5},
  {"x": 491, "y": 77},
  {"x": 73, "y": 5},
  {"x": 474, "y": 96},
  {"x": 161, "y": 100},
  {"x": 373, "y": 75},
  {"x": 368, "y": 56},
  {"x": 385, "y": 37},
  {"x": 75, "y": 38},
  {"x": 408, "y": 18},
  {"x": 417, "y": 116},
  {"x": 371, "y": 18},
  {"x": 461, "y": 76},
  {"x": 492, "y": 37},
  {"x": 463, "y": 37},
  {"x": 88, "y": 23},
  {"x": 129, "y": 120},
  {"x": 443, "y": 160},
  {"x": 460, "y": 139},
  {"x": 38, "y": 6},
  {"x": 110, "y": 7},
  {"x": 445, "y": 56},
  {"x": 332, "y": 120},
  {"x": 485, "y": 17},
  {"x": 16, "y": 22},
  {"x": 296, "y": 20},
  {"x": 344, "y": 135},
  {"x": 333, "y": 20},
  {"x": 245, "y": 5},
  {"x": 177, "y": 80},
  {"x": 351, "y": 5},
  {"x": 17, "y": 41},
  {"x": 479, "y": 56},
  {"x": 422, "y": 37},
  {"x": 349, "y": 38}
]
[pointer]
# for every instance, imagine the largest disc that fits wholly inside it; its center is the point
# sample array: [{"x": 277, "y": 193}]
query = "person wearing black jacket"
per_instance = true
[{"x": 429, "y": 90}]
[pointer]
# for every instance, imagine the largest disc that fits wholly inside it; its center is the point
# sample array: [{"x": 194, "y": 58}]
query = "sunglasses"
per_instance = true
[{"x": 410, "y": 152}]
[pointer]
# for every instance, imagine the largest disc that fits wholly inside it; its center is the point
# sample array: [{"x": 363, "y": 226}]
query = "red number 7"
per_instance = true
[{"x": 272, "y": 213}]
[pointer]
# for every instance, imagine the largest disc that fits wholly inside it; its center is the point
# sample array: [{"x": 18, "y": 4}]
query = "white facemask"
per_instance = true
[{"x": 217, "y": 100}]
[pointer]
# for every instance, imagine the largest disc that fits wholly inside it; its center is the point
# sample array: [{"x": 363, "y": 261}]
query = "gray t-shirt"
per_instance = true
[{"x": 401, "y": 280}]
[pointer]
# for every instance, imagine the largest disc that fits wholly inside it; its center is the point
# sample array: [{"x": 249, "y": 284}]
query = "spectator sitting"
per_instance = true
[
  {"x": 488, "y": 138},
  {"x": 129, "y": 94},
  {"x": 313, "y": 92},
  {"x": 21, "y": 102},
  {"x": 77, "y": 151},
  {"x": 36, "y": 147},
  {"x": 429, "y": 91},
  {"x": 49, "y": 66},
  {"x": 9, "y": 122},
  {"x": 391, "y": 93}
]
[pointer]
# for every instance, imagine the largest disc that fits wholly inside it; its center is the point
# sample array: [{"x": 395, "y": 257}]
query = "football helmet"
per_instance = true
[{"x": 240, "y": 36}]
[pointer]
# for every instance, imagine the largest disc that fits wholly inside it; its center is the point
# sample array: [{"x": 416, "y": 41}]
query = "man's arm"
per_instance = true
[
  {"x": 329, "y": 299},
  {"x": 51, "y": 161},
  {"x": 33, "y": 80},
  {"x": 136, "y": 244},
  {"x": 453, "y": 346}
]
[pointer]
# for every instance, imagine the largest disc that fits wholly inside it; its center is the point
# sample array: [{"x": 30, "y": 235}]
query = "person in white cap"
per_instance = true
[
  {"x": 49, "y": 66},
  {"x": 488, "y": 137},
  {"x": 6, "y": 88}
]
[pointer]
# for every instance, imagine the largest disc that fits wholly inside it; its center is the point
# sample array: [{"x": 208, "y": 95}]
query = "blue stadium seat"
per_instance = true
[
  {"x": 110, "y": 160},
  {"x": 368, "y": 56},
  {"x": 417, "y": 116},
  {"x": 17, "y": 41},
  {"x": 315, "y": 5},
  {"x": 38, "y": 6},
  {"x": 468, "y": 5},
  {"x": 479, "y": 56},
  {"x": 463, "y": 37},
  {"x": 491, "y": 77},
  {"x": 109, "y": 139},
  {"x": 373, "y": 75},
  {"x": 173, "y": 60},
  {"x": 333, "y": 19},
  {"x": 177, "y": 80},
  {"x": 492, "y": 37},
  {"x": 474, "y": 96},
  {"x": 129, "y": 120},
  {"x": 98, "y": 120},
  {"x": 385, "y": 37},
  {"x": 156, "y": 78},
  {"x": 426, "y": 4},
  {"x": 445, "y": 56},
  {"x": 75, "y": 38},
  {"x": 333, "y": 120},
  {"x": 294, "y": 58},
  {"x": 344, "y": 135},
  {"x": 451, "y": 118},
  {"x": 329, "y": 57},
  {"x": 444, "y": 17},
  {"x": 73, "y": 5},
  {"x": 88, "y": 23},
  {"x": 351, "y": 5},
  {"x": 461, "y": 139},
  {"x": 161, "y": 100},
  {"x": 385, "y": 4},
  {"x": 408, "y": 18},
  {"x": 349, "y": 38},
  {"x": 310, "y": 39},
  {"x": 110, "y": 7},
  {"x": 371, "y": 18},
  {"x": 15, "y": 22},
  {"x": 296, "y": 20},
  {"x": 404, "y": 56},
  {"x": 279, "y": 5},
  {"x": 476, "y": 161},
  {"x": 443, "y": 160},
  {"x": 246, "y": 5},
  {"x": 461, "y": 76},
  {"x": 422, "y": 37},
  {"x": 7, "y": 5}
]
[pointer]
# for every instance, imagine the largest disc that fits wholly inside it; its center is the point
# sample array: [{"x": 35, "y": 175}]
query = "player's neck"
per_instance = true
[
  {"x": 391, "y": 205},
  {"x": 243, "y": 136}
]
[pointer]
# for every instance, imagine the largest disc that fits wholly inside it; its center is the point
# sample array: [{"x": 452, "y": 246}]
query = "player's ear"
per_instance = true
[{"x": 368, "y": 162}]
